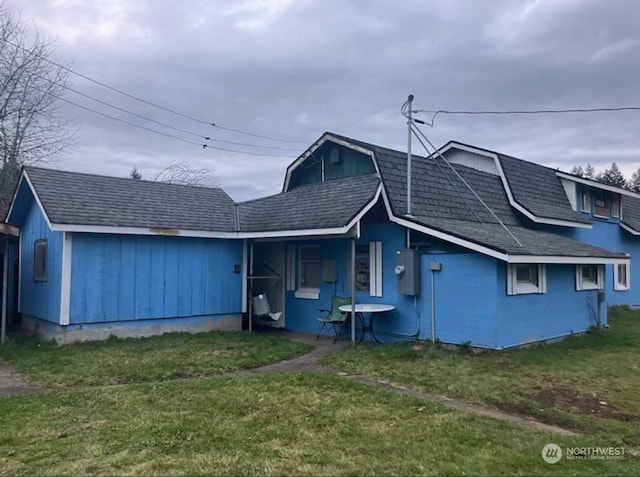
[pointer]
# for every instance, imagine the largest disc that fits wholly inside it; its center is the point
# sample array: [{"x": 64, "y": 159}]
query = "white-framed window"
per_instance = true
[
  {"x": 615, "y": 207},
  {"x": 308, "y": 272},
  {"x": 368, "y": 264},
  {"x": 585, "y": 203},
  {"x": 589, "y": 277},
  {"x": 523, "y": 278},
  {"x": 600, "y": 205},
  {"x": 40, "y": 260},
  {"x": 621, "y": 277}
]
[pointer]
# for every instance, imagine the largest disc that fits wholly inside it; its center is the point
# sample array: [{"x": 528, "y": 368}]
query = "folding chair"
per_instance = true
[{"x": 334, "y": 318}]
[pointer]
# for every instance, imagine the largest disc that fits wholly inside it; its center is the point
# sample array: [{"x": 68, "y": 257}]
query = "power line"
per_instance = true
[
  {"x": 204, "y": 146},
  {"x": 160, "y": 123},
  {"x": 435, "y": 113},
  {"x": 147, "y": 102}
]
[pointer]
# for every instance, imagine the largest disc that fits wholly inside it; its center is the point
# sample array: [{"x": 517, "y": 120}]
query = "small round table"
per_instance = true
[{"x": 372, "y": 309}]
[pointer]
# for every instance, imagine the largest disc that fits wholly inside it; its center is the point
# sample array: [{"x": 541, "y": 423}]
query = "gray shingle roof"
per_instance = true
[
  {"x": 630, "y": 212},
  {"x": 322, "y": 205},
  {"x": 538, "y": 189},
  {"x": 442, "y": 201},
  {"x": 87, "y": 199}
]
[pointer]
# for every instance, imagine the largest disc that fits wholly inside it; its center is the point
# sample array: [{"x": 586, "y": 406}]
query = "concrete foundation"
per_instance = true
[{"x": 127, "y": 329}]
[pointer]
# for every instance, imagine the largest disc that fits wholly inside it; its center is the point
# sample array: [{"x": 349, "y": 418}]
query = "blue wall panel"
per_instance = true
[
  {"x": 40, "y": 299},
  {"x": 127, "y": 277},
  {"x": 558, "y": 312}
]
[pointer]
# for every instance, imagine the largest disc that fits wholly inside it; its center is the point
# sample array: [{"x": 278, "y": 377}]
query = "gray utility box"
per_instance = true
[{"x": 408, "y": 271}]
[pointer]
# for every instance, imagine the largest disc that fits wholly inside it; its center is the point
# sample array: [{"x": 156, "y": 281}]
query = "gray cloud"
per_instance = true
[{"x": 295, "y": 69}]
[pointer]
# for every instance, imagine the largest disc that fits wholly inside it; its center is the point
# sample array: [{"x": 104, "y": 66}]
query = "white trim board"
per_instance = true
[
  {"x": 597, "y": 185},
  {"x": 629, "y": 229},
  {"x": 65, "y": 280}
]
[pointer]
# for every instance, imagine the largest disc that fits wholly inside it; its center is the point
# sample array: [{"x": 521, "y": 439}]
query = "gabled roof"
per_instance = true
[
  {"x": 323, "y": 205},
  {"x": 72, "y": 198},
  {"x": 441, "y": 202}
]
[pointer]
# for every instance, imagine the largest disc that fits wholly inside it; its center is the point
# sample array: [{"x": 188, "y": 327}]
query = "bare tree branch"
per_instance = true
[{"x": 185, "y": 174}]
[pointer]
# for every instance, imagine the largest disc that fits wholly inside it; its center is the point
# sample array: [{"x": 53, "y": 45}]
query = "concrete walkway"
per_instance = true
[{"x": 12, "y": 383}]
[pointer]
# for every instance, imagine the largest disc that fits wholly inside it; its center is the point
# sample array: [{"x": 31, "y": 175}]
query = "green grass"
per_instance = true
[
  {"x": 169, "y": 356},
  {"x": 277, "y": 424},
  {"x": 563, "y": 383}
]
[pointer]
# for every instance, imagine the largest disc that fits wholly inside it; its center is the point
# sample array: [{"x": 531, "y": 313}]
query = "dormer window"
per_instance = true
[
  {"x": 601, "y": 208},
  {"x": 615, "y": 208}
]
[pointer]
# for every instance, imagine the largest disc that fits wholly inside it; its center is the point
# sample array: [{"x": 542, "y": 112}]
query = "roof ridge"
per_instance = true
[{"x": 104, "y": 176}]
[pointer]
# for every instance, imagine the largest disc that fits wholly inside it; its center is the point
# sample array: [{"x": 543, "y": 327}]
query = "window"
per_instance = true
[
  {"x": 615, "y": 208},
  {"x": 601, "y": 208},
  {"x": 589, "y": 277},
  {"x": 586, "y": 201},
  {"x": 40, "y": 260},
  {"x": 368, "y": 268},
  {"x": 308, "y": 272},
  {"x": 526, "y": 278},
  {"x": 622, "y": 277}
]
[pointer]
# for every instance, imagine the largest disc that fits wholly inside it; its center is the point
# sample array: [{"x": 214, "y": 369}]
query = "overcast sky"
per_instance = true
[{"x": 294, "y": 69}]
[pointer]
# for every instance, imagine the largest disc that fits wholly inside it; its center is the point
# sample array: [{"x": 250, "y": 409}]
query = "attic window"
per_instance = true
[
  {"x": 589, "y": 277},
  {"x": 601, "y": 208},
  {"x": 40, "y": 260},
  {"x": 586, "y": 201},
  {"x": 615, "y": 208},
  {"x": 523, "y": 278}
]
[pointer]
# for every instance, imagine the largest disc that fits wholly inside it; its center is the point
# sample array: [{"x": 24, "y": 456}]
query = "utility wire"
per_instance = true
[
  {"x": 160, "y": 123},
  {"x": 436, "y": 151},
  {"x": 204, "y": 146},
  {"x": 147, "y": 102},
  {"x": 519, "y": 111}
]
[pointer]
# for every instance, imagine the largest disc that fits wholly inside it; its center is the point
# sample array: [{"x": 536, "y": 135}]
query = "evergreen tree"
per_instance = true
[
  {"x": 134, "y": 174},
  {"x": 634, "y": 183},
  {"x": 612, "y": 176},
  {"x": 589, "y": 172},
  {"x": 577, "y": 171}
]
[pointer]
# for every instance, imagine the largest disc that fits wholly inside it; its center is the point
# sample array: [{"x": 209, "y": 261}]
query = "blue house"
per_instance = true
[{"x": 497, "y": 251}]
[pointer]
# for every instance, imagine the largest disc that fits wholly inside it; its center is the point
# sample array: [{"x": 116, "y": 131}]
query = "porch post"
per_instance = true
[
  {"x": 353, "y": 291},
  {"x": 5, "y": 284}
]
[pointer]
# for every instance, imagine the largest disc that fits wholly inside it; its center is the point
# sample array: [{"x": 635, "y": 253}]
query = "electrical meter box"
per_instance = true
[{"x": 408, "y": 271}]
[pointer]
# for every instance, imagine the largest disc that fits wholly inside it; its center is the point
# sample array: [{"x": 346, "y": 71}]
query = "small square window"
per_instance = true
[
  {"x": 589, "y": 277},
  {"x": 526, "y": 278},
  {"x": 40, "y": 260}
]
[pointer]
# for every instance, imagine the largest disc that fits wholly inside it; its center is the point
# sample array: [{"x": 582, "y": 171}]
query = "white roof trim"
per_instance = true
[
  {"x": 494, "y": 253},
  {"x": 326, "y": 137},
  {"x": 597, "y": 185},
  {"x": 505, "y": 183},
  {"x": 629, "y": 229},
  {"x": 25, "y": 176},
  {"x": 565, "y": 260}
]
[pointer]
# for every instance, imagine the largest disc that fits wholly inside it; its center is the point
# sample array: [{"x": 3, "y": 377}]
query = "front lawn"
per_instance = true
[
  {"x": 275, "y": 424},
  {"x": 589, "y": 383},
  {"x": 169, "y": 356}
]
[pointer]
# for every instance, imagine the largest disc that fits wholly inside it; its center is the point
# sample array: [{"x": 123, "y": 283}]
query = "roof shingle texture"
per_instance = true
[
  {"x": 321, "y": 205},
  {"x": 87, "y": 199},
  {"x": 442, "y": 201},
  {"x": 630, "y": 212}
]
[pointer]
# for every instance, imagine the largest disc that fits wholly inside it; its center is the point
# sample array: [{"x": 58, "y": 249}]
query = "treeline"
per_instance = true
[{"x": 610, "y": 176}]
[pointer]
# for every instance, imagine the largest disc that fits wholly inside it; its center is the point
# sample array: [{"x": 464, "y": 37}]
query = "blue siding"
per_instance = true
[
  {"x": 559, "y": 312},
  {"x": 40, "y": 299},
  {"x": 127, "y": 277}
]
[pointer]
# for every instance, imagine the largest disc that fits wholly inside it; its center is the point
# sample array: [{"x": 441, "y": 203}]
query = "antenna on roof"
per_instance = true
[{"x": 409, "y": 111}]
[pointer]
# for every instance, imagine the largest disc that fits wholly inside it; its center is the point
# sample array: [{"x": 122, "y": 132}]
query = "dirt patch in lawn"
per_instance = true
[{"x": 554, "y": 395}]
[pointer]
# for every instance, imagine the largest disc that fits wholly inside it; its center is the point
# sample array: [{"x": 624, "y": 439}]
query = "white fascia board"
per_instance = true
[
  {"x": 597, "y": 185},
  {"x": 35, "y": 195},
  {"x": 65, "y": 281},
  {"x": 505, "y": 184},
  {"x": 629, "y": 229},
  {"x": 565, "y": 260},
  {"x": 326, "y": 137}
]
